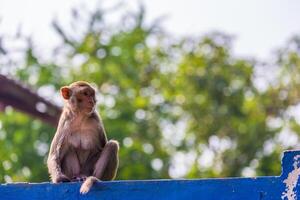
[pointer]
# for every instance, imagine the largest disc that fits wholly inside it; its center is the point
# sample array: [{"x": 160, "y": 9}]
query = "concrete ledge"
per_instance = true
[{"x": 261, "y": 188}]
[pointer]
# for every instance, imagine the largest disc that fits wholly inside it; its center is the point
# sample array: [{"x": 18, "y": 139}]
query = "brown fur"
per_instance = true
[{"x": 80, "y": 148}]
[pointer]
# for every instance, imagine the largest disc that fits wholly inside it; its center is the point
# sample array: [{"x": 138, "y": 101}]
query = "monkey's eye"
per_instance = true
[{"x": 85, "y": 93}]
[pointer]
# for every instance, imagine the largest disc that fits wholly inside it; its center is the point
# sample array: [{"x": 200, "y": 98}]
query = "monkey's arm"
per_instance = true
[
  {"x": 54, "y": 158},
  {"x": 102, "y": 135},
  {"x": 100, "y": 129}
]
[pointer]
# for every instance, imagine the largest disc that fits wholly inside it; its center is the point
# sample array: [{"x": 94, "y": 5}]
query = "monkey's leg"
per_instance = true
[
  {"x": 107, "y": 164},
  {"x": 71, "y": 166}
]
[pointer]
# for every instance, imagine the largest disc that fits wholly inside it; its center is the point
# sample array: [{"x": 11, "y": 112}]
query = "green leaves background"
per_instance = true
[{"x": 180, "y": 107}]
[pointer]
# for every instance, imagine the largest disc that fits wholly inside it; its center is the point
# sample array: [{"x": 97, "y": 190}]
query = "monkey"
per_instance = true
[{"x": 80, "y": 150}]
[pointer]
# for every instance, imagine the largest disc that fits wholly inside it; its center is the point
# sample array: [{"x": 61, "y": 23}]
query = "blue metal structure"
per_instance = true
[{"x": 284, "y": 187}]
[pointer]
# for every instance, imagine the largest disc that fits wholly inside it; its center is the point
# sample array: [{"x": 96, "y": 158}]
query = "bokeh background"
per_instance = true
[{"x": 190, "y": 89}]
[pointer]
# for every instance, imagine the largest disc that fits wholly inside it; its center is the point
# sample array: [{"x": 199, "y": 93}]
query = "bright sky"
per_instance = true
[{"x": 260, "y": 26}]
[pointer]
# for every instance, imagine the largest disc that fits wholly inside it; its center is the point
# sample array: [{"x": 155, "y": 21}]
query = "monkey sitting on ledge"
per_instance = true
[{"x": 79, "y": 149}]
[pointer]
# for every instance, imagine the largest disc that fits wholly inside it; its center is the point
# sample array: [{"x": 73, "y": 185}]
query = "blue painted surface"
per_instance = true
[{"x": 260, "y": 188}]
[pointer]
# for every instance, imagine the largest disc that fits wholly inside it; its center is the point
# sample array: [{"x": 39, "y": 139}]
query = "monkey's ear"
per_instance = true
[{"x": 66, "y": 92}]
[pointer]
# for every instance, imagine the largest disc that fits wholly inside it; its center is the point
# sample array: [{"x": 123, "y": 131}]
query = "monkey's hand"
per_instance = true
[{"x": 61, "y": 179}]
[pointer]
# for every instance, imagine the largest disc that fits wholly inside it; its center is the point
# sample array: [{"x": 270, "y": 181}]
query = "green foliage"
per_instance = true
[
  {"x": 179, "y": 107},
  {"x": 24, "y": 144}
]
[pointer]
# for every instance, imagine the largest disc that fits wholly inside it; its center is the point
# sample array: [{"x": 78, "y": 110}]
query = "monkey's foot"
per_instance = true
[
  {"x": 87, "y": 184},
  {"x": 61, "y": 179},
  {"x": 79, "y": 178}
]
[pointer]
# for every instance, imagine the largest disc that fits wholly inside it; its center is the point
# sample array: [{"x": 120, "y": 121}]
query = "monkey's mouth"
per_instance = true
[
  {"x": 90, "y": 104},
  {"x": 90, "y": 108}
]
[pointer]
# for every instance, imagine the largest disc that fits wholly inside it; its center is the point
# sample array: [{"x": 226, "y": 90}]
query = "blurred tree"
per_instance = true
[{"x": 179, "y": 107}]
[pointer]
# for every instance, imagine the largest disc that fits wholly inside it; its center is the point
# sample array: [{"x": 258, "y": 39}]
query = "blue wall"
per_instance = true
[{"x": 261, "y": 188}]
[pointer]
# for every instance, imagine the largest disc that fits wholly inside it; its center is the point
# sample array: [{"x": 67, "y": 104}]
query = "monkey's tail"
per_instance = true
[{"x": 87, "y": 184}]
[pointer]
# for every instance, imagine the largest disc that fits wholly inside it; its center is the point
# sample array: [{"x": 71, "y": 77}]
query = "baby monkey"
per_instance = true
[{"x": 80, "y": 150}]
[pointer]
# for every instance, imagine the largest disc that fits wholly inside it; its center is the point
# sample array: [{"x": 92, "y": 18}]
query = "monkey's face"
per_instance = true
[
  {"x": 80, "y": 98},
  {"x": 84, "y": 99}
]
